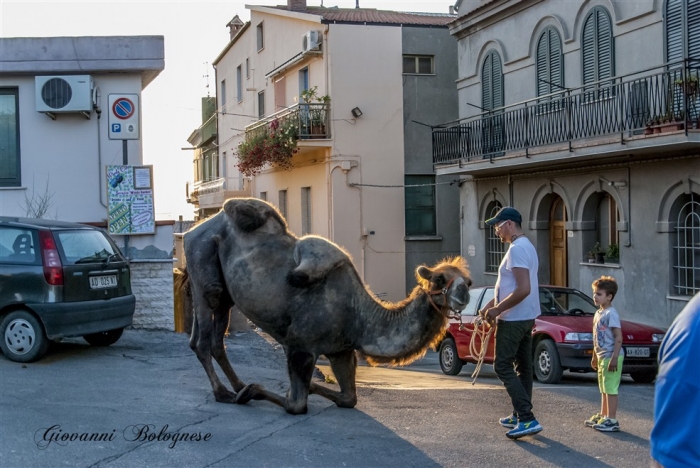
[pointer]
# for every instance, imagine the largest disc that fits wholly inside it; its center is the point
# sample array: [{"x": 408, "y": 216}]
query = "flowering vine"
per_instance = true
[{"x": 274, "y": 145}]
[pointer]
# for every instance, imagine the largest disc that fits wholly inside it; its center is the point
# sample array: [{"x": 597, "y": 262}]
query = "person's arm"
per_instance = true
[
  {"x": 522, "y": 290},
  {"x": 488, "y": 305},
  {"x": 594, "y": 361},
  {"x": 617, "y": 333}
]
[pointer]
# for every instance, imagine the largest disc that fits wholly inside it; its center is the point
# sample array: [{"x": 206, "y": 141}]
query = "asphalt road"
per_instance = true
[{"x": 150, "y": 383}]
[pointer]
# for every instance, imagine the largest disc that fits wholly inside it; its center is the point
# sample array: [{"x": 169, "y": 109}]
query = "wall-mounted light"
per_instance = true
[{"x": 356, "y": 112}]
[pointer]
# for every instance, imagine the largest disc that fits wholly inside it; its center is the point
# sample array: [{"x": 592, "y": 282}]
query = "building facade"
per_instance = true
[
  {"x": 53, "y": 162},
  {"x": 345, "y": 83},
  {"x": 583, "y": 116}
]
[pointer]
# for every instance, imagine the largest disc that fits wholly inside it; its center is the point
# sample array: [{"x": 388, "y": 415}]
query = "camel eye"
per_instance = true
[{"x": 440, "y": 281}]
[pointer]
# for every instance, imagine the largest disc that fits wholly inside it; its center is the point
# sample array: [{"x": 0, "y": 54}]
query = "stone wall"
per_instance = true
[{"x": 152, "y": 284}]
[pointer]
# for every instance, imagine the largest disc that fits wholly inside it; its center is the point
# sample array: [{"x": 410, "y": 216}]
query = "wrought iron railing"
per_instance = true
[
  {"x": 310, "y": 120},
  {"x": 650, "y": 101}
]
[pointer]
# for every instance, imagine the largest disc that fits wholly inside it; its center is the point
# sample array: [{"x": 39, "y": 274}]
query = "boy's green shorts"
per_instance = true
[{"x": 609, "y": 382}]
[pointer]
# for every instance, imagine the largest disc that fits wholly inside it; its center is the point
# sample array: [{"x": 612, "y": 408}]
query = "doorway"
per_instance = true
[{"x": 557, "y": 244}]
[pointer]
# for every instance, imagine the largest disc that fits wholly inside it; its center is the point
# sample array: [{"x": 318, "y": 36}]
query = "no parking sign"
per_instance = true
[{"x": 124, "y": 117}]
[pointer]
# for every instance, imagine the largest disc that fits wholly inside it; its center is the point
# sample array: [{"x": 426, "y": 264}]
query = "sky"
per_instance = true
[{"x": 195, "y": 33}]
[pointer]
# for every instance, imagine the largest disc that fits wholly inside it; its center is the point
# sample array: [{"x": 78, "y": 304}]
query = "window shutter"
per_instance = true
[
  {"x": 693, "y": 29},
  {"x": 487, "y": 83},
  {"x": 605, "y": 45},
  {"x": 588, "y": 51},
  {"x": 497, "y": 89},
  {"x": 674, "y": 30},
  {"x": 543, "y": 64},
  {"x": 556, "y": 65}
]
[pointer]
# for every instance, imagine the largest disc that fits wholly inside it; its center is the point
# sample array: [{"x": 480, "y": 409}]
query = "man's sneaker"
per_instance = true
[
  {"x": 593, "y": 420},
  {"x": 607, "y": 425},
  {"x": 524, "y": 428},
  {"x": 509, "y": 421}
]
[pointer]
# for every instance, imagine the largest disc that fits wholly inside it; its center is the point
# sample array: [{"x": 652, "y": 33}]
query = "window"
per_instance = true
[
  {"x": 550, "y": 63},
  {"x": 686, "y": 246},
  {"x": 492, "y": 98},
  {"x": 495, "y": 249},
  {"x": 419, "y": 195},
  {"x": 247, "y": 69},
  {"x": 419, "y": 64},
  {"x": 263, "y": 196},
  {"x": 597, "y": 46},
  {"x": 261, "y": 40},
  {"x": 682, "y": 29},
  {"x": 18, "y": 246},
  {"x": 305, "y": 211},
  {"x": 9, "y": 135},
  {"x": 261, "y": 104},
  {"x": 239, "y": 84},
  {"x": 282, "y": 203},
  {"x": 222, "y": 101}
]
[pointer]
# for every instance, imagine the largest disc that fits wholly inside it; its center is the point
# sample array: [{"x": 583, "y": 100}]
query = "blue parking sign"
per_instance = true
[{"x": 116, "y": 128}]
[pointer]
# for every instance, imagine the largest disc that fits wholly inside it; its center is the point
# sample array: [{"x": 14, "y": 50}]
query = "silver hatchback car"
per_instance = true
[{"x": 59, "y": 280}]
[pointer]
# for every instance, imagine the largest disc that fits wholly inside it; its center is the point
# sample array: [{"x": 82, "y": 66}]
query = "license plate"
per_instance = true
[
  {"x": 637, "y": 352},
  {"x": 101, "y": 282}
]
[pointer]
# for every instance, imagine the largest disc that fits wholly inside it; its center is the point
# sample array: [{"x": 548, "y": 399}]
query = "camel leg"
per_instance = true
[
  {"x": 222, "y": 318},
  {"x": 201, "y": 343},
  {"x": 344, "y": 366},
  {"x": 300, "y": 366}
]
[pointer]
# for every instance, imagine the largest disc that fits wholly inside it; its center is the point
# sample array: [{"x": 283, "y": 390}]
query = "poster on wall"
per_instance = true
[{"x": 130, "y": 196}]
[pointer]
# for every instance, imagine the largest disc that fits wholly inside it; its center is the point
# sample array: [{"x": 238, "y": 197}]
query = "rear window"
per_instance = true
[
  {"x": 18, "y": 245},
  {"x": 85, "y": 246}
]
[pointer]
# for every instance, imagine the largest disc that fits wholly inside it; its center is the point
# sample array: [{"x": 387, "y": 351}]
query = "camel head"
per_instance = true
[{"x": 447, "y": 284}]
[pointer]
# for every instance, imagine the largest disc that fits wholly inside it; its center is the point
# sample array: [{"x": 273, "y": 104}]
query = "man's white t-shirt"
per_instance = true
[{"x": 520, "y": 254}]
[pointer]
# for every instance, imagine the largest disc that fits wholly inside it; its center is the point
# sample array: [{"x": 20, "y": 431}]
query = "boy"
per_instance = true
[{"x": 607, "y": 354}]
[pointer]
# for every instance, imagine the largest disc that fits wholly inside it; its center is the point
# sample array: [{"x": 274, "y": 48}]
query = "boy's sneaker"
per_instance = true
[
  {"x": 524, "y": 428},
  {"x": 509, "y": 421},
  {"x": 593, "y": 420},
  {"x": 607, "y": 425}
]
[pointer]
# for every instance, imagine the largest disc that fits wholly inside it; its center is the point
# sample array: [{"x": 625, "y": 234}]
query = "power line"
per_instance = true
[{"x": 452, "y": 182}]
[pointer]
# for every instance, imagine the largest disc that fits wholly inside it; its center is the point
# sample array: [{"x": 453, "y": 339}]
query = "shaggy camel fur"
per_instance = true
[{"x": 306, "y": 294}]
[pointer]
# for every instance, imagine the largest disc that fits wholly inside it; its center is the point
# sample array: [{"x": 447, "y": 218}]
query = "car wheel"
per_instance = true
[
  {"x": 23, "y": 337},
  {"x": 547, "y": 366},
  {"x": 643, "y": 376},
  {"x": 104, "y": 338},
  {"x": 450, "y": 363}
]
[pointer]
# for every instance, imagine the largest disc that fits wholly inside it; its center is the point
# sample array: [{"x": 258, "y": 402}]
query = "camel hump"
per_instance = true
[
  {"x": 252, "y": 214},
  {"x": 315, "y": 257}
]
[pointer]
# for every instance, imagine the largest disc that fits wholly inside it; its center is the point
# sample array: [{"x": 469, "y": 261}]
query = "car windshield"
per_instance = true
[
  {"x": 86, "y": 246},
  {"x": 556, "y": 301}
]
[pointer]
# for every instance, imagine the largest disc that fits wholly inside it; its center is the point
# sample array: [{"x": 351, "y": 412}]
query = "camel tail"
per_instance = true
[{"x": 182, "y": 282}]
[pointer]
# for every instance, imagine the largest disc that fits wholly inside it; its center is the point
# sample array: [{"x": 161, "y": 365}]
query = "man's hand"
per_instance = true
[
  {"x": 594, "y": 362},
  {"x": 489, "y": 315}
]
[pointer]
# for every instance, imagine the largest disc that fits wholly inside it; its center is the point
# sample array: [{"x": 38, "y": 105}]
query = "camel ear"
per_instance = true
[
  {"x": 247, "y": 217},
  {"x": 424, "y": 272}
]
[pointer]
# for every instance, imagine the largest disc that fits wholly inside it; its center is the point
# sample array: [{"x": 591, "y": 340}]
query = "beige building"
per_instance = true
[{"x": 346, "y": 180}]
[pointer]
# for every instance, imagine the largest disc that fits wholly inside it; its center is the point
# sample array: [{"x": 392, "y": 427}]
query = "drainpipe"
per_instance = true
[
  {"x": 629, "y": 208},
  {"x": 100, "y": 174}
]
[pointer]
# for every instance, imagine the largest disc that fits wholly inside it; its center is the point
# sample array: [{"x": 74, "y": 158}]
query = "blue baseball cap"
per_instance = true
[{"x": 507, "y": 213}]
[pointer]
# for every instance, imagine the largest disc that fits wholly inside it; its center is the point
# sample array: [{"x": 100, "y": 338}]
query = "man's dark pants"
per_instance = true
[{"x": 513, "y": 364}]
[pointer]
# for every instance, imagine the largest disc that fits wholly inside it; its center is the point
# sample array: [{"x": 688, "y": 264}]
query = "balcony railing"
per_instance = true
[
  {"x": 311, "y": 121},
  {"x": 641, "y": 103}
]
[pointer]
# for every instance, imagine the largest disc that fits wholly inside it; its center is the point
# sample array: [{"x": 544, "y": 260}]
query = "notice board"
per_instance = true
[{"x": 130, "y": 196}]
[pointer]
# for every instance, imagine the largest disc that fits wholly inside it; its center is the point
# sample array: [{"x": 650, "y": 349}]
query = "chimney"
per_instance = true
[
  {"x": 296, "y": 5},
  {"x": 234, "y": 26}
]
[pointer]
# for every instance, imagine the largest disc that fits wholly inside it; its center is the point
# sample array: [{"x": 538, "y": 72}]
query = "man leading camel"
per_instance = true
[{"x": 513, "y": 309}]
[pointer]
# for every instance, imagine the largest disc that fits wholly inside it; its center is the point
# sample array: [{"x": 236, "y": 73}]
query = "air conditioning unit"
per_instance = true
[
  {"x": 64, "y": 94},
  {"x": 311, "y": 41}
]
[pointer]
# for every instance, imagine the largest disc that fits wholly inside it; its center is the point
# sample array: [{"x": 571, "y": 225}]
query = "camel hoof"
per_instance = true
[
  {"x": 249, "y": 392},
  {"x": 225, "y": 396}
]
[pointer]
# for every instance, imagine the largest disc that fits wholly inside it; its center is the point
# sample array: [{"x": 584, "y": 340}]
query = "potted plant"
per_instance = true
[
  {"x": 689, "y": 85},
  {"x": 274, "y": 145},
  {"x": 317, "y": 111},
  {"x": 613, "y": 253},
  {"x": 596, "y": 253}
]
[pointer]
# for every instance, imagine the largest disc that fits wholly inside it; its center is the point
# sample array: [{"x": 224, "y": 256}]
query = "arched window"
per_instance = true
[
  {"x": 597, "y": 47},
  {"x": 495, "y": 249},
  {"x": 682, "y": 23},
  {"x": 685, "y": 256},
  {"x": 492, "y": 98},
  {"x": 603, "y": 211},
  {"x": 550, "y": 63}
]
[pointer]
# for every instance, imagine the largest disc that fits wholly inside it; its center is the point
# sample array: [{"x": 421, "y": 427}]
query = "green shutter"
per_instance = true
[
  {"x": 550, "y": 67},
  {"x": 694, "y": 29},
  {"x": 674, "y": 30},
  {"x": 605, "y": 45},
  {"x": 497, "y": 75},
  {"x": 487, "y": 83},
  {"x": 588, "y": 50},
  {"x": 9, "y": 135},
  {"x": 597, "y": 46}
]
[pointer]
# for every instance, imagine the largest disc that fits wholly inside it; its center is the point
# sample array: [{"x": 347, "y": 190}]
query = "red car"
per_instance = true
[{"x": 562, "y": 337}]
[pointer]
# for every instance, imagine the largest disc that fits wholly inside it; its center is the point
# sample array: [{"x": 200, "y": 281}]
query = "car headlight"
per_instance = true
[
  {"x": 657, "y": 337},
  {"x": 571, "y": 336}
]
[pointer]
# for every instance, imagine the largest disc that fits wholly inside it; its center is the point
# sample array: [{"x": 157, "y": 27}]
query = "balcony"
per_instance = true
[
  {"x": 312, "y": 121},
  {"x": 637, "y": 106},
  {"x": 213, "y": 193}
]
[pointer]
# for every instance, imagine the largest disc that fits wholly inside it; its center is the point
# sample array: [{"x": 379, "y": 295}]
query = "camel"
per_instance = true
[{"x": 306, "y": 294}]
